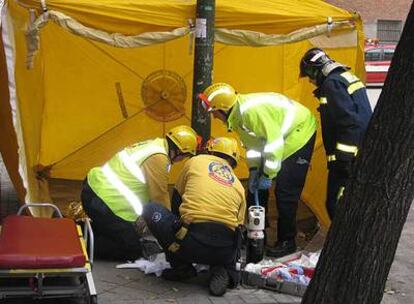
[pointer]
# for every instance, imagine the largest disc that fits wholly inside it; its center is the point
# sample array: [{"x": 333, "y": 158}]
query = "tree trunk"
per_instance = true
[{"x": 363, "y": 238}]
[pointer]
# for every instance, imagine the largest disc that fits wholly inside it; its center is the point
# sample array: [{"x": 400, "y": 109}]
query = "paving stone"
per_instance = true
[
  {"x": 194, "y": 300},
  {"x": 234, "y": 299},
  {"x": 161, "y": 301},
  {"x": 286, "y": 299},
  {"x": 123, "y": 293},
  {"x": 264, "y": 299},
  {"x": 218, "y": 300}
]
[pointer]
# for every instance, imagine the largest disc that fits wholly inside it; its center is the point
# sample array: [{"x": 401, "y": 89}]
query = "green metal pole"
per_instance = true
[{"x": 203, "y": 64}]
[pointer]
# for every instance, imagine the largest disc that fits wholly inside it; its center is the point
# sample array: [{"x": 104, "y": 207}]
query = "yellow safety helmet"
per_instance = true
[
  {"x": 218, "y": 96},
  {"x": 225, "y": 145},
  {"x": 185, "y": 138}
]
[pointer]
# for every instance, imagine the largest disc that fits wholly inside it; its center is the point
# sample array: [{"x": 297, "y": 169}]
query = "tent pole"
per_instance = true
[{"x": 203, "y": 64}]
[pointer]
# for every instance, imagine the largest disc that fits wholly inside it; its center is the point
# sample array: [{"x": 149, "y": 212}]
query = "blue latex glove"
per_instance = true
[
  {"x": 253, "y": 180},
  {"x": 264, "y": 183}
]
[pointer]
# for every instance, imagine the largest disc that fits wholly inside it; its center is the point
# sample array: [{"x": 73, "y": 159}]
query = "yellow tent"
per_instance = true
[{"x": 82, "y": 79}]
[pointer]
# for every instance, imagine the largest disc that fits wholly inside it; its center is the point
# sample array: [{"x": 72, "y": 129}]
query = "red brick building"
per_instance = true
[{"x": 383, "y": 19}]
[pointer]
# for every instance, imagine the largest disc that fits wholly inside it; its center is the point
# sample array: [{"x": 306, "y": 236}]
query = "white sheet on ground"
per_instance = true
[{"x": 156, "y": 266}]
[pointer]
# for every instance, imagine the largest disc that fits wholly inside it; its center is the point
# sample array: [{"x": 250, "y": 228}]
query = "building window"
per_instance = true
[{"x": 389, "y": 31}]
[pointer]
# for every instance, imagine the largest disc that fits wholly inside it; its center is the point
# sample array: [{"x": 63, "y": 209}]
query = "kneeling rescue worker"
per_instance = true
[
  {"x": 114, "y": 194},
  {"x": 208, "y": 206}
]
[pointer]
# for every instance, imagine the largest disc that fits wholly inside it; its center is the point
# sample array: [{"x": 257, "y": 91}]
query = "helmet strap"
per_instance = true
[{"x": 173, "y": 150}]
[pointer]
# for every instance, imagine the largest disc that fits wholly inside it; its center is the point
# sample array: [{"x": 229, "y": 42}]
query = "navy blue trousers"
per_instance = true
[
  {"x": 336, "y": 180},
  {"x": 205, "y": 243},
  {"x": 289, "y": 185}
]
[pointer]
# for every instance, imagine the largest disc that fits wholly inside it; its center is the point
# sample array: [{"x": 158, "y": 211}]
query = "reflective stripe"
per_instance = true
[
  {"x": 317, "y": 56},
  {"x": 288, "y": 121},
  {"x": 340, "y": 192},
  {"x": 349, "y": 77},
  {"x": 274, "y": 145},
  {"x": 132, "y": 167},
  {"x": 355, "y": 86},
  {"x": 253, "y": 154},
  {"x": 331, "y": 157},
  {"x": 251, "y": 133},
  {"x": 347, "y": 148},
  {"x": 273, "y": 165},
  {"x": 124, "y": 190},
  {"x": 219, "y": 91},
  {"x": 146, "y": 152},
  {"x": 174, "y": 247},
  {"x": 281, "y": 102},
  {"x": 181, "y": 233},
  {"x": 323, "y": 100}
]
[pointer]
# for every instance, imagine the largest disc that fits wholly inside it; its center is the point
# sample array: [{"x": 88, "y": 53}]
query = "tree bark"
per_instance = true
[{"x": 363, "y": 238}]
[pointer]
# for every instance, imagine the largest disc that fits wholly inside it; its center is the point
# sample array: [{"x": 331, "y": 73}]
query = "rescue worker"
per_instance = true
[
  {"x": 114, "y": 194},
  {"x": 279, "y": 136},
  {"x": 345, "y": 113},
  {"x": 208, "y": 205}
]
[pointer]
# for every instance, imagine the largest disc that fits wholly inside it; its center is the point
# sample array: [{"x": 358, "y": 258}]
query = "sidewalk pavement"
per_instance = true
[
  {"x": 127, "y": 286},
  {"x": 130, "y": 286},
  {"x": 124, "y": 286}
]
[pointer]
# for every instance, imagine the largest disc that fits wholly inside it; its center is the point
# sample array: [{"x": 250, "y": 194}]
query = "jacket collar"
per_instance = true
[{"x": 234, "y": 117}]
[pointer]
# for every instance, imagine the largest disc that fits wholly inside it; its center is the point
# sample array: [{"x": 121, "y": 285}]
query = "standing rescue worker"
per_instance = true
[
  {"x": 279, "y": 135},
  {"x": 345, "y": 113},
  {"x": 114, "y": 194},
  {"x": 208, "y": 205}
]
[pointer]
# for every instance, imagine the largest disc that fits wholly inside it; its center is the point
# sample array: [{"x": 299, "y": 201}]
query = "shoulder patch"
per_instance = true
[{"x": 221, "y": 173}]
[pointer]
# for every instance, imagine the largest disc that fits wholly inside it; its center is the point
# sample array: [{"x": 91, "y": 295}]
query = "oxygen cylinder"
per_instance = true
[{"x": 255, "y": 234}]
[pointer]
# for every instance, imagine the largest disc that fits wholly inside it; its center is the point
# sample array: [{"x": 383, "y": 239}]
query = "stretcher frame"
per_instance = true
[{"x": 83, "y": 285}]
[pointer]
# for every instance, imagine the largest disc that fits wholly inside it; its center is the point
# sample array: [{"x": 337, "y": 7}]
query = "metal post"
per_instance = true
[{"x": 203, "y": 64}]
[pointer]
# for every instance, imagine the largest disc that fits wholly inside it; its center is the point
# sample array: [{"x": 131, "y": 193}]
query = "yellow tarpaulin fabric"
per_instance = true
[{"x": 84, "y": 100}]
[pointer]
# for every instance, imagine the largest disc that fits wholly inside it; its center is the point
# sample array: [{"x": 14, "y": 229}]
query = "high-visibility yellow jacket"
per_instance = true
[
  {"x": 121, "y": 182},
  {"x": 270, "y": 125}
]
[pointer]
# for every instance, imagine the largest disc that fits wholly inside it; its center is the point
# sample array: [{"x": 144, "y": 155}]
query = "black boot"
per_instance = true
[
  {"x": 219, "y": 280},
  {"x": 179, "y": 273},
  {"x": 150, "y": 249},
  {"x": 281, "y": 249}
]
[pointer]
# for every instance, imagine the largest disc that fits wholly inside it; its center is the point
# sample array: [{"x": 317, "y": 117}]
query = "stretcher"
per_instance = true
[{"x": 46, "y": 257}]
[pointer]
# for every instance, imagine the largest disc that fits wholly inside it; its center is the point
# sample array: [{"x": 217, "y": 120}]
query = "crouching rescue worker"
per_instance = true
[
  {"x": 208, "y": 205},
  {"x": 279, "y": 135},
  {"x": 345, "y": 113},
  {"x": 114, "y": 195}
]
